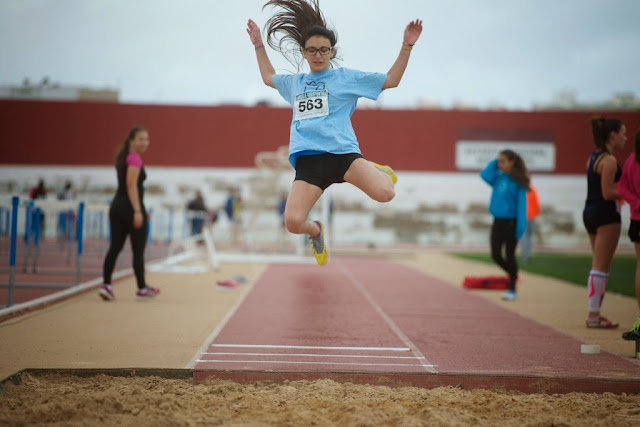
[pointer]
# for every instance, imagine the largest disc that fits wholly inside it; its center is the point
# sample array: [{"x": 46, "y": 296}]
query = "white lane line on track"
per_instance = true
[
  {"x": 289, "y": 362},
  {"x": 212, "y": 336},
  {"x": 310, "y": 355},
  {"x": 311, "y": 347},
  {"x": 358, "y": 284}
]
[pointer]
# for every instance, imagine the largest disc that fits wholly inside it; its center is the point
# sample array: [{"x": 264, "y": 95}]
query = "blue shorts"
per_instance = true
[{"x": 322, "y": 170}]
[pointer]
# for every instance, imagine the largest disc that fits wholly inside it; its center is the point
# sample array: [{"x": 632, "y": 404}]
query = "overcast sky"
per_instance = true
[{"x": 482, "y": 52}]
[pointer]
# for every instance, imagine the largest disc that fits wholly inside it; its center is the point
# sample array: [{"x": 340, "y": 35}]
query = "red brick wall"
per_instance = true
[{"x": 75, "y": 133}]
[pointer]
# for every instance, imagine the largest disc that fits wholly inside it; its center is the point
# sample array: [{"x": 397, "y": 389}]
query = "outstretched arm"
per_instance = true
[
  {"x": 266, "y": 69},
  {"x": 411, "y": 34}
]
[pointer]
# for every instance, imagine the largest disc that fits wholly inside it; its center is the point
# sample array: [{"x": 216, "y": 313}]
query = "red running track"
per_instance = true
[
  {"x": 367, "y": 317},
  {"x": 57, "y": 267}
]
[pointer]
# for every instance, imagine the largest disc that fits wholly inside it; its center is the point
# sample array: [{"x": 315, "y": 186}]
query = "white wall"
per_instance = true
[{"x": 172, "y": 187}]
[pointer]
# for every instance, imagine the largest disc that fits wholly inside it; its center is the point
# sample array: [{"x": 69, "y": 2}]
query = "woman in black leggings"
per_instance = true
[
  {"x": 127, "y": 214},
  {"x": 509, "y": 177}
]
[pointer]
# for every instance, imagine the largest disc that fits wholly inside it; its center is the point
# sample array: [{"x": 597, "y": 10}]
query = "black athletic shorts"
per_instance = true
[
  {"x": 325, "y": 169},
  {"x": 634, "y": 231},
  {"x": 596, "y": 216}
]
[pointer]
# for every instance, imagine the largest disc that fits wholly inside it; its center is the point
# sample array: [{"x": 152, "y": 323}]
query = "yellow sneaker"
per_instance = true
[
  {"x": 319, "y": 248},
  {"x": 386, "y": 169}
]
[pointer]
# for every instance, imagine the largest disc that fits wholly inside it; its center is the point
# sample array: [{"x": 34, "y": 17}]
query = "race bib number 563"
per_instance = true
[{"x": 312, "y": 104}]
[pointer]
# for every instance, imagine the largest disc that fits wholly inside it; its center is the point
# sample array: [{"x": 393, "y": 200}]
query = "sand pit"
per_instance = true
[
  {"x": 172, "y": 329},
  {"x": 103, "y": 400}
]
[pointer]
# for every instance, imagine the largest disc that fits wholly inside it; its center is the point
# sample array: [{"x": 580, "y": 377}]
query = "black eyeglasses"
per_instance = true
[{"x": 324, "y": 50}]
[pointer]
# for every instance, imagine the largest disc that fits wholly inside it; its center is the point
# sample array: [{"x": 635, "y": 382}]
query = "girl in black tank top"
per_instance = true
[
  {"x": 601, "y": 215},
  {"x": 594, "y": 181}
]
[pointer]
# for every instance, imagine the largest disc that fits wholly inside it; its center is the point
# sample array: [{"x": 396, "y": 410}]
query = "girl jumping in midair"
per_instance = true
[{"x": 323, "y": 148}]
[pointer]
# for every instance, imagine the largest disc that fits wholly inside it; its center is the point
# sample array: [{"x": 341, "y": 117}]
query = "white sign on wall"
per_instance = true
[{"x": 474, "y": 155}]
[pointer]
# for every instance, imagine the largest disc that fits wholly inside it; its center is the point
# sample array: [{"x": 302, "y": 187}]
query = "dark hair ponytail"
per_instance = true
[
  {"x": 121, "y": 157},
  {"x": 289, "y": 29},
  {"x": 519, "y": 171},
  {"x": 601, "y": 128}
]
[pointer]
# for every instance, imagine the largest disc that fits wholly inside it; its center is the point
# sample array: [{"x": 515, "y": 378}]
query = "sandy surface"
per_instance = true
[
  {"x": 64, "y": 400},
  {"x": 86, "y": 332}
]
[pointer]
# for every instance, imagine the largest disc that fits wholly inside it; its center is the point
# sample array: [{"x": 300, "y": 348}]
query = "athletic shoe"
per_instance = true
[
  {"x": 147, "y": 293},
  {"x": 319, "y": 248},
  {"x": 106, "y": 292},
  {"x": 240, "y": 279},
  {"x": 386, "y": 169},
  {"x": 227, "y": 285},
  {"x": 509, "y": 296},
  {"x": 634, "y": 333},
  {"x": 601, "y": 322}
]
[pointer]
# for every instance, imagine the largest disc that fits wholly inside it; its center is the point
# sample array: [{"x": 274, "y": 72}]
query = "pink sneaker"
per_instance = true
[
  {"x": 106, "y": 292},
  {"x": 601, "y": 322},
  {"x": 147, "y": 293},
  {"x": 227, "y": 285}
]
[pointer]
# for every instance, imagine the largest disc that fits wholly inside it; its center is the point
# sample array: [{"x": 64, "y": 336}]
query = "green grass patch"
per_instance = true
[{"x": 573, "y": 268}]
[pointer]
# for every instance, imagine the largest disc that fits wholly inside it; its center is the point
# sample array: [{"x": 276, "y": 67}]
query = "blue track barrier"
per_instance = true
[
  {"x": 79, "y": 236},
  {"x": 12, "y": 254}
]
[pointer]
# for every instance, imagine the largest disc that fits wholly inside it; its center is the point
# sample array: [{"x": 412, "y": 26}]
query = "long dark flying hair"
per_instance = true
[
  {"x": 289, "y": 29},
  {"x": 123, "y": 151},
  {"x": 519, "y": 172},
  {"x": 637, "y": 146},
  {"x": 601, "y": 128}
]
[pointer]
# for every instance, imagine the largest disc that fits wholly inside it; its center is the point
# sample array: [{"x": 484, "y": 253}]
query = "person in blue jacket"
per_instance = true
[
  {"x": 509, "y": 177},
  {"x": 323, "y": 147}
]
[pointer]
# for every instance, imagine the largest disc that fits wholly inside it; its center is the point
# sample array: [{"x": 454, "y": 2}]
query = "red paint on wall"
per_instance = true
[{"x": 82, "y": 133}]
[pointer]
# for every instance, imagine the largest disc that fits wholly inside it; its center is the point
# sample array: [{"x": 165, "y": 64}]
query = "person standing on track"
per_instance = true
[
  {"x": 601, "y": 214},
  {"x": 509, "y": 178},
  {"x": 323, "y": 147},
  {"x": 533, "y": 211},
  {"x": 197, "y": 212},
  {"x": 629, "y": 189},
  {"x": 127, "y": 214},
  {"x": 233, "y": 209}
]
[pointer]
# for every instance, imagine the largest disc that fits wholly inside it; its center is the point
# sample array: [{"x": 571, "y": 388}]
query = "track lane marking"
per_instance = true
[
  {"x": 289, "y": 362},
  {"x": 212, "y": 336},
  {"x": 358, "y": 284},
  {"x": 309, "y": 355},
  {"x": 313, "y": 347}
]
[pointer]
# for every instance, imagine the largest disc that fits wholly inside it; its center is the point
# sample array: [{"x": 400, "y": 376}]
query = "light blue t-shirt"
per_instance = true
[{"x": 322, "y": 107}]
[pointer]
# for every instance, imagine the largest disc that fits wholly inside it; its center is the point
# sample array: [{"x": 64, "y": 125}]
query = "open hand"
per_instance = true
[
  {"x": 412, "y": 32},
  {"x": 254, "y": 33}
]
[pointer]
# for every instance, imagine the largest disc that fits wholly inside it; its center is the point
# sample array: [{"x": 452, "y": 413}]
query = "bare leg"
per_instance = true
[
  {"x": 592, "y": 242},
  {"x": 375, "y": 183},
  {"x": 604, "y": 245},
  {"x": 302, "y": 197},
  {"x": 606, "y": 241}
]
